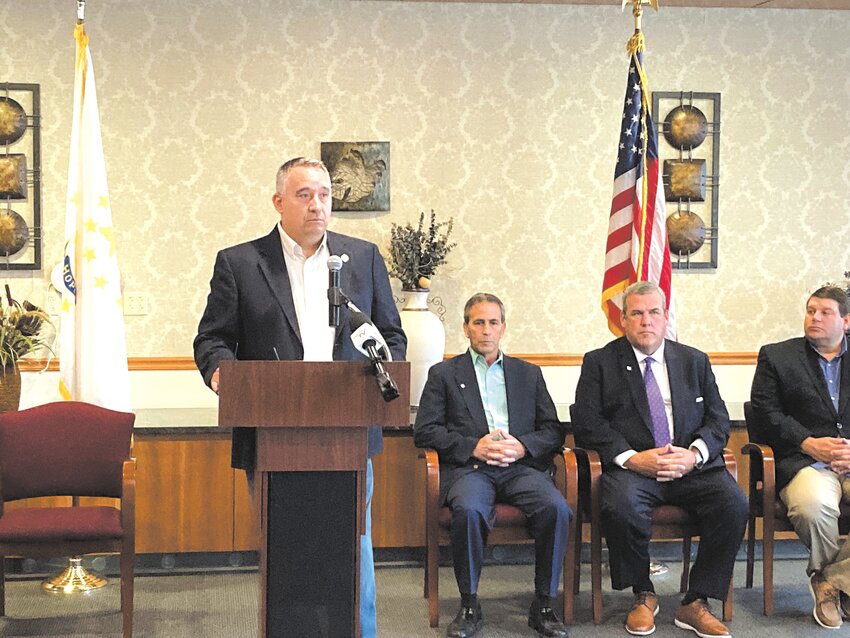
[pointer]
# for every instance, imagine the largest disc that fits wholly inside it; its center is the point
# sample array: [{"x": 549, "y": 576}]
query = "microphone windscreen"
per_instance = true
[
  {"x": 357, "y": 319},
  {"x": 334, "y": 263}
]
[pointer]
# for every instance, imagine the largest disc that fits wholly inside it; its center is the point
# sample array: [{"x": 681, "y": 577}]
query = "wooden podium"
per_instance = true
[{"x": 312, "y": 420}]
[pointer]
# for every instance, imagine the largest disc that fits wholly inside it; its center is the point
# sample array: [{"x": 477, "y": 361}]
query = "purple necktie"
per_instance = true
[{"x": 660, "y": 427}]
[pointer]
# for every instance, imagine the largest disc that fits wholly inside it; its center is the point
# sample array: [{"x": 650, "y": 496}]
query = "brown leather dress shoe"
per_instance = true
[
  {"x": 640, "y": 620},
  {"x": 826, "y": 612},
  {"x": 697, "y": 617},
  {"x": 844, "y": 600}
]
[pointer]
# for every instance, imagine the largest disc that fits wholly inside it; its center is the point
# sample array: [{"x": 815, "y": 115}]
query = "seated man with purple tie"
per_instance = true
[{"x": 651, "y": 408}]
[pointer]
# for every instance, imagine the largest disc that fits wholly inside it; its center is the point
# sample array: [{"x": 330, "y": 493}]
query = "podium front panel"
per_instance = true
[{"x": 312, "y": 555}]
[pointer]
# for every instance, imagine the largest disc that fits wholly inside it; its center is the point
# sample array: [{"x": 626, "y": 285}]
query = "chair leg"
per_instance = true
[
  {"x": 767, "y": 564},
  {"x": 751, "y": 550},
  {"x": 127, "y": 575},
  {"x": 425, "y": 579},
  {"x": 686, "y": 564},
  {"x": 596, "y": 572},
  {"x": 432, "y": 585},
  {"x": 579, "y": 524},
  {"x": 571, "y": 559},
  {"x": 577, "y": 566},
  {"x": 728, "y": 604},
  {"x": 2, "y": 585}
]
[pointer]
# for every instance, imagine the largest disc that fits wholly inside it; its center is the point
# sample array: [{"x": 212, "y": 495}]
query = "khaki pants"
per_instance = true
[{"x": 812, "y": 498}]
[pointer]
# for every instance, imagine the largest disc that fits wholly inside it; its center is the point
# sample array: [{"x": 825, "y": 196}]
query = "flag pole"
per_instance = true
[
  {"x": 635, "y": 44},
  {"x": 637, "y": 9},
  {"x": 75, "y": 578}
]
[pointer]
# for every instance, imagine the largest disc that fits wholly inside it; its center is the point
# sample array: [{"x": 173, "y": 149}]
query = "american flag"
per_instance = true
[{"x": 637, "y": 230}]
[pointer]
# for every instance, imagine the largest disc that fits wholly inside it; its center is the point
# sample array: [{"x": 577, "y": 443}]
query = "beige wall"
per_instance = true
[{"x": 502, "y": 116}]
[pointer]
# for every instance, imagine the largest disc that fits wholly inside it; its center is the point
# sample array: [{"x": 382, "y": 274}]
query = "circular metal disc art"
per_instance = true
[
  {"x": 685, "y": 127},
  {"x": 14, "y": 233},
  {"x": 13, "y": 120},
  {"x": 685, "y": 233}
]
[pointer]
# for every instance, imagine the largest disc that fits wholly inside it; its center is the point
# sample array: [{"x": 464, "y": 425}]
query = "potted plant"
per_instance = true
[
  {"x": 415, "y": 253},
  {"x": 21, "y": 332}
]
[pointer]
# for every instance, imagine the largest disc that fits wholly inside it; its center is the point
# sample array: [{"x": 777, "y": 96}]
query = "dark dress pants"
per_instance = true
[
  {"x": 472, "y": 493},
  {"x": 711, "y": 496}
]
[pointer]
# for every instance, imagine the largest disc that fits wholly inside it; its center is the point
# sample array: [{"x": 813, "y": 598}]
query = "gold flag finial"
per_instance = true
[{"x": 637, "y": 9}]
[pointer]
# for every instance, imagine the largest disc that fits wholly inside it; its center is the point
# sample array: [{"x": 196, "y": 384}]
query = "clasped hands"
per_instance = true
[
  {"x": 665, "y": 463},
  {"x": 499, "y": 448},
  {"x": 832, "y": 450}
]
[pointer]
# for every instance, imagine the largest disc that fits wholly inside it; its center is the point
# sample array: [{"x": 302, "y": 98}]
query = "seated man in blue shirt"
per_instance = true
[
  {"x": 801, "y": 400},
  {"x": 492, "y": 422}
]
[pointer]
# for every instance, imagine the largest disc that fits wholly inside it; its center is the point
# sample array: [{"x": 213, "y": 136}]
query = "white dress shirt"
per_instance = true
[{"x": 308, "y": 278}]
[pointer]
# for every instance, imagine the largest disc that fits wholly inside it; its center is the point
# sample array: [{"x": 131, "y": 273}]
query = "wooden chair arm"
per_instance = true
[
  {"x": 432, "y": 492},
  {"x": 731, "y": 462},
  {"x": 763, "y": 470},
  {"x": 589, "y": 475},
  {"x": 570, "y": 479}
]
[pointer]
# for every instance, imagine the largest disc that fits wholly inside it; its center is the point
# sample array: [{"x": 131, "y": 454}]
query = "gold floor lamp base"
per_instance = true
[{"x": 74, "y": 579}]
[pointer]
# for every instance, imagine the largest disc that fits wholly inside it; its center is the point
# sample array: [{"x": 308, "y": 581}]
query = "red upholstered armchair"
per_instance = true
[{"x": 68, "y": 449}]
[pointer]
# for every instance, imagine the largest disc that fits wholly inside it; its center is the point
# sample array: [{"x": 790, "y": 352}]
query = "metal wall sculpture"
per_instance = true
[
  {"x": 690, "y": 125},
  {"x": 20, "y": 177}
]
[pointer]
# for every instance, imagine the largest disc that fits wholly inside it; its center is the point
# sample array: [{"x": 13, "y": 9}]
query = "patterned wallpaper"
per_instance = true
[{"x": 504, "y": 117}]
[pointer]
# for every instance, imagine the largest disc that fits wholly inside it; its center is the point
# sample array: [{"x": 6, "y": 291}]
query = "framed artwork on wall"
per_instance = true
[{"x": 360, "y": 175}]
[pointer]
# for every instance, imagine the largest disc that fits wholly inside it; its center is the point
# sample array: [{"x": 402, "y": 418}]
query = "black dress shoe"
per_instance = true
[
  {"x": 545, "y": 622},
  {"x": 467, "y": 623}
]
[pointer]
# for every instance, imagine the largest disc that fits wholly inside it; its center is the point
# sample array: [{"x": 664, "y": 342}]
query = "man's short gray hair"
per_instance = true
[
  {"x": 643, "y": 288},
  {"x": 482, "y": 297},
  {"x": 295, "y": 162}
]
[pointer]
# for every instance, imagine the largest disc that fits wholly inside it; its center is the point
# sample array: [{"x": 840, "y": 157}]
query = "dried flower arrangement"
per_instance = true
[
  {"x": 21, "y": 326},
  {"x": 415, "y": 253}
]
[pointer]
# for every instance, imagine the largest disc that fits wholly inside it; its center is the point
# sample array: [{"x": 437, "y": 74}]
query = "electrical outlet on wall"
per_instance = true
[
  {"x": 52, "y": 303},
  {"x": 135, "y": 303}
]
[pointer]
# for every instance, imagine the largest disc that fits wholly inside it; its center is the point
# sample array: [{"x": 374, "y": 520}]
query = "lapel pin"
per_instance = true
[
  {"x": 344, "y": 257},
  {"x": 629, "y": 368},
  {"x": 462, "y": 385}
]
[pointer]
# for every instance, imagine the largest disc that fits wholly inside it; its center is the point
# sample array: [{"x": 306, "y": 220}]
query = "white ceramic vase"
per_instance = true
[{"x": 426, "y": 339}]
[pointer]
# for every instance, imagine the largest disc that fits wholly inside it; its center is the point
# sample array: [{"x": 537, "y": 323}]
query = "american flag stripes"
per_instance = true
[{"x": 637, "y": 231}]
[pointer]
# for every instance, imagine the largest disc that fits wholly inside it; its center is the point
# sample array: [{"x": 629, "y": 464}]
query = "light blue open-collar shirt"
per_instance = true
[{"x": 491, "y": 386}]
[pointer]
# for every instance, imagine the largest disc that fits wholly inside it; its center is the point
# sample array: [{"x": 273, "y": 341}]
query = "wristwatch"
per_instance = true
[{"x": 700, "y": 461}]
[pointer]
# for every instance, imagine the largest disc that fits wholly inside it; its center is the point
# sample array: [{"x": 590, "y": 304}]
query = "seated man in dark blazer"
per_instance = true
[
  {"x": 651, "y": 409},
  {"x": 492, "y": 422},
  {"x": 801, "y": 401}
]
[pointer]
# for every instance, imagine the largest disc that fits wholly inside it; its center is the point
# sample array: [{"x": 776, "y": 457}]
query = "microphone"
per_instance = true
[
  {"x": 367, "y": 339},
  {"x": 334, "y": 292}
]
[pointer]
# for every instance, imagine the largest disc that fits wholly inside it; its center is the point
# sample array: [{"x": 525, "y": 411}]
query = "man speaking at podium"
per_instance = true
[{"x": 269, "y": 300}]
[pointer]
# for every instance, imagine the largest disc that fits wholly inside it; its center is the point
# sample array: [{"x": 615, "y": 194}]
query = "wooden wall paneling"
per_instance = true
[
  {"x": 398, "y": 503},
  {"x": 184, "y": 494},
  {"x": 246, "y": 532}
]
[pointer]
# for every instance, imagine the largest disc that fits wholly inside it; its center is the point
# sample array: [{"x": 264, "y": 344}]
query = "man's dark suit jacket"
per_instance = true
[
  {"x": 250, "y": 314},
  {"x": 451, "y": 416},
  {"x": 791, "y": 403},
  {"x": 611, "y": 412}
]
